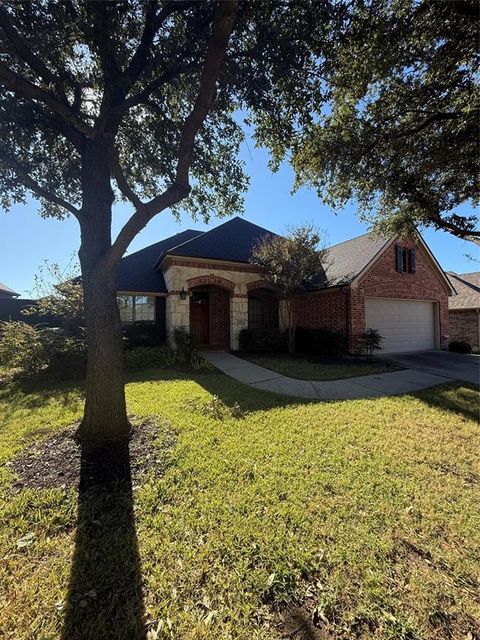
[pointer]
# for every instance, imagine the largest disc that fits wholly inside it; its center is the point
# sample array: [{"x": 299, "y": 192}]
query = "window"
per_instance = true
[
  {"x": 405, "y": 259},
  {"x": 136, "y": 309},
  {"x": 256, "y": 320},
  {"x": 262, "y": 312}
]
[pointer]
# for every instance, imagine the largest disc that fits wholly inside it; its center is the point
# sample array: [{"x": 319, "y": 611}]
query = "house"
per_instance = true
[
  {"x": 464, "y": 308},
  {"x": 204, "y": 282},
  {"x": 12, "y": 307},
  {"x": 6, "y": 293}
]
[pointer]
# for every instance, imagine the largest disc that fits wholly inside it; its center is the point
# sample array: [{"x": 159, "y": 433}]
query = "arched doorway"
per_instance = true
[{"x": 210, "y": 316}]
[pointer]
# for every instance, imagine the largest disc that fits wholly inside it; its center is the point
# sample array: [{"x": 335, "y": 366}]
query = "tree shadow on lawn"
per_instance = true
[
  {"x": 227, "y": 389},
  {"x": 461, "y": 398},
  {"x": 105, "y": 591}
]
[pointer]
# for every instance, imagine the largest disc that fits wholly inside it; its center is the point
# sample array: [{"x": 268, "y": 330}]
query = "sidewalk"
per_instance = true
[{"x": 370, "y": 386}]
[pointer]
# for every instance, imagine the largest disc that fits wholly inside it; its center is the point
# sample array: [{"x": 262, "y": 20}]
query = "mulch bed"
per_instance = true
[{"x": 59, "y": 461}]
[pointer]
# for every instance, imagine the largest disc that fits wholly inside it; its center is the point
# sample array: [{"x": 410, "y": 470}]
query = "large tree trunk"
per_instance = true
[{"x": 105, "y": 416}]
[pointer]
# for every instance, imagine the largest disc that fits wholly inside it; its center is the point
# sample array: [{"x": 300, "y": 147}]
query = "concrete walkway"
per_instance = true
[{"x": 371, "y": 386}]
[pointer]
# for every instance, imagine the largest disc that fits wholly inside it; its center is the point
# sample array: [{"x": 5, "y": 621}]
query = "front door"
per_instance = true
[{"x": 199, "y": 318}]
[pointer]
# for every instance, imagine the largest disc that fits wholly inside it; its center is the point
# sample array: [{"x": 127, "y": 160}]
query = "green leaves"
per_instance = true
[{"x": 400, "y": 130}]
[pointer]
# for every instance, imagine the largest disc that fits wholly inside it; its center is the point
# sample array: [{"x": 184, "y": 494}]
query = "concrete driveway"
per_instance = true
[{"x": 457, "y": 366}]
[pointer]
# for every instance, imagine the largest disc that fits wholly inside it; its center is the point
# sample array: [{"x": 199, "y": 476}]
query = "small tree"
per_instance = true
[
  {"x": 59, "y": 294},
  {"x": 289, "y": 264}
]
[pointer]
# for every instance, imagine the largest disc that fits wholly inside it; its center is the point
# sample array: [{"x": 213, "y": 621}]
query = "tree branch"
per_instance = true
[
  {"x": 143, "y": 96},
  {"x": 153, "y": 22},
  {"x": 216, "y": 51},
  {"x": 25, "y": 178},
  {"x": 27, "y": 55},
  {"x": 121, "y": 180},
  {"x": 26, "y": 89}
]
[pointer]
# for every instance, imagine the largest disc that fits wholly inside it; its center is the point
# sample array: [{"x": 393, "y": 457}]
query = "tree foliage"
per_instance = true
[
  {"x": 288, "y": 264},
  {"x": 138, "y": 100},
  {"x": 400, "y": 129},
  {"x": 129, "y": 72},
  {"x": 59, "y": 295}
]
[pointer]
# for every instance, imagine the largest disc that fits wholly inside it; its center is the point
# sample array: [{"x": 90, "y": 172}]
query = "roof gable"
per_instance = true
[
  {"x": 231, "y": 241},
  {"x": 4, "y": 290},
  {"x": 467, "y": 286},
  {"x": 136, "y": 272},
  {"x": 346, "y": 260}
]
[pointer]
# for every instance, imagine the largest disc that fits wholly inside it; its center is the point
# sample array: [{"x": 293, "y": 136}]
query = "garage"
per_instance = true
[{"x": 406, "y": 325}]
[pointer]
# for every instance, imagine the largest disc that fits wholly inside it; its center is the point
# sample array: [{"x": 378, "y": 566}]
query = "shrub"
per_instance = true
[
  {"x": 145, "y": 357},
  {"x": 143, "y": 335},
  {"x": 265, "y": 342},
  {"x": 370, "y": 342},
  {"x": 460, "y": 346},
  {"x": 21, "y": 347},
  {"x": 321, "y": 342},
  {"x": 32, "y": 348},
  {"x": 183, "y": 345}
]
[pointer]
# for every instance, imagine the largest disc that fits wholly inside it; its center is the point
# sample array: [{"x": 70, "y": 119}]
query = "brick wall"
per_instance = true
[
  {"x": 383, "y": 280},
  {"x": 329, "y": 309},
  {"x": 219, "y": 316},
  {"x": 322, "y": 310},
  {"x": 464, "y": 325}
]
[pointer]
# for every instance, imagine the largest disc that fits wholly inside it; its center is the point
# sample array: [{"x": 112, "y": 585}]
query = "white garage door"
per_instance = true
[{"x": 406, "y": 325}]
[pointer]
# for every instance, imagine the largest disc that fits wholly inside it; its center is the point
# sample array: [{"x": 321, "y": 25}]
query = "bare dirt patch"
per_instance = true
[{"x": 59, "y": 461}]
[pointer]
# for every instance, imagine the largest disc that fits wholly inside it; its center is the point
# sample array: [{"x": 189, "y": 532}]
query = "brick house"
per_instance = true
[
  {"x": 464, "y": 308},
  {"x": 204, "y": 282}
]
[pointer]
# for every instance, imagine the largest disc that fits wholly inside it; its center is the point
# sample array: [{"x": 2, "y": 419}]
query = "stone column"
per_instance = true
[
  {"x": 177, "y": 315},
  {"x": 238, "y": 318}
]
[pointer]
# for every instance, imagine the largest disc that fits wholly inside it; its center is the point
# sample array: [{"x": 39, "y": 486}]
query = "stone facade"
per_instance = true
[
  {"x": 184, "y": 274},
  {"x": 465, "y": 325}
]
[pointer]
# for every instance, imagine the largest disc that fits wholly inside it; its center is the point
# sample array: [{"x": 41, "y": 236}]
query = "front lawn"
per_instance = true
[
  {"x": 363, "y": 516},
  {"x": 319, "y": 368}
]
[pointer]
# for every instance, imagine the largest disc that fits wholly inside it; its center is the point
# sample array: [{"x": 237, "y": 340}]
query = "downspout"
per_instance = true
[{"x": 346, "y": 291}]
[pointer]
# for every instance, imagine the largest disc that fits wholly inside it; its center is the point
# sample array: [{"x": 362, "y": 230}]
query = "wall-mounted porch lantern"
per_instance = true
[{"x": 183, "y": 294}]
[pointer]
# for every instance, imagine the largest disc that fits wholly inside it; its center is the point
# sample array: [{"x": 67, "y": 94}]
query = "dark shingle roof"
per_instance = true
[
  {"x": 467, "y": 286},
  {"x": 344, "y": 261},
  {"x": 232, "y": 241},
  {"x": 7, "y": 291},
  {"x": 136, "y": 272}
]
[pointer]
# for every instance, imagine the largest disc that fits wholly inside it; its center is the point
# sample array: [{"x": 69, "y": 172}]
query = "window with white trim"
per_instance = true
[{"x": 135, "y": 309}]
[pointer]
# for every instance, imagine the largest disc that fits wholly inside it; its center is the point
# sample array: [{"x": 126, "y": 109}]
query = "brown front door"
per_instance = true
[{"x": 199, "y": 318}]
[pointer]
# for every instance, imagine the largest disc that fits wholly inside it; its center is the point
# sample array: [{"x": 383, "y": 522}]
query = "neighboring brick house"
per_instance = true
[
  {"x": 204, "y": 282},
  {"x": 464, "y": 308}
]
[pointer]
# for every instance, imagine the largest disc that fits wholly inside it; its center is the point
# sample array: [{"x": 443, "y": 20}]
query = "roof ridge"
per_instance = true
[
  {"x": 467, "y": 283},
  {"x": 469, "y": 273},
  {"x": 180, "y": 244},
  {"x": 362, "y": 235}
]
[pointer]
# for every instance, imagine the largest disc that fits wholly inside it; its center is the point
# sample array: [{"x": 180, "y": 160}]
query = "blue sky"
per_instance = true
[{"x": 26, "y": 239}]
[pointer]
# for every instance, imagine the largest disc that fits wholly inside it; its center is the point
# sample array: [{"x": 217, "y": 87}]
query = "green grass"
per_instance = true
[
  {"x": 365, "y": 511},
  {"x": 306, "y": 369}
]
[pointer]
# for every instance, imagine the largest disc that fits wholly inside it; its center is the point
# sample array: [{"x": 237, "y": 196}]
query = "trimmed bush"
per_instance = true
[
  {"x": 267, "y": 342},
  {"x": 143, "y": 335},
  {"x": 320, "y": 342},
  {"x": 183, "y": 345},
  {"x": 459, "y": 346},
  {"x": 370, "y": 343}
]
